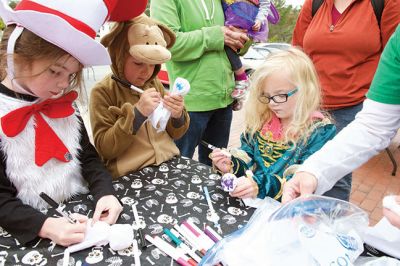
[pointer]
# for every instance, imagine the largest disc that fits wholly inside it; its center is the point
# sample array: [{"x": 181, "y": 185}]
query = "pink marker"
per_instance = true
[
  {"x": 212, "y": 234},
  {"x": 206, "y": 240}
]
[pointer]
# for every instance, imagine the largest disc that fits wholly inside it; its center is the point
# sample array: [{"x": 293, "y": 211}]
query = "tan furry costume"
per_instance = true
[{"x": 112, "y": 105}]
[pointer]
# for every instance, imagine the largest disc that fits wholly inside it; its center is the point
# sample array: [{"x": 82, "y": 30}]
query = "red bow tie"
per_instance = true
[{"x": 47, "y": 144}]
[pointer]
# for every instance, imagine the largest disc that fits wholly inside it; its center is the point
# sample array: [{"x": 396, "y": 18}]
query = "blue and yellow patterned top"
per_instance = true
[{"x": 269, "y": 158}]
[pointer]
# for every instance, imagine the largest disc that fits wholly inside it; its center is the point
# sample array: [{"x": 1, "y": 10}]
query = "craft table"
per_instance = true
[{"x": 166, "y": 194}]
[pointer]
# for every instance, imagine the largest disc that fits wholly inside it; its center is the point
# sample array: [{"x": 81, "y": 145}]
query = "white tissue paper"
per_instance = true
[{"x": 160, "y": 116}]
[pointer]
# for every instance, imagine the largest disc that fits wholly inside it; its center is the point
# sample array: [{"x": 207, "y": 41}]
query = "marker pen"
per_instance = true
[
  {"x": 182, "y": 245},
  {"x": 136, "y": 252},
  {"x": 187, "y": 242},
  {"x": 127, "y": 84},
  {"x": 189, "y": 236},
  {"x": 167, "y": 249},
  {"x": 208, "y": 243},
  {"x": 57, "y": 207},
  {"x": 212, "y": 234}
]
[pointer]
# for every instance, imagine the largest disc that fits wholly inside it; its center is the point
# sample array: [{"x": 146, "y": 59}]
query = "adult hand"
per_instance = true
[
  {"x": 221, "y": 161},
  {"x": 107, "y": 209},
  {"x": 393, "y": 218},
  {"x": 62, "y": 232},
  {"x": 234, "y": 38},
  {"x": 302, "y": 183},
  {"x": 246, "y": 188},
  {"x": 149, "y": 100},
  {"x": 174, "y": 104},
  {"x": 256, "y": 26}
]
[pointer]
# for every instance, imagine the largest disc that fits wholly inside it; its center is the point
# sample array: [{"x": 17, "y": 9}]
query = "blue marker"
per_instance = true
[{"x": 181, "y": 245}]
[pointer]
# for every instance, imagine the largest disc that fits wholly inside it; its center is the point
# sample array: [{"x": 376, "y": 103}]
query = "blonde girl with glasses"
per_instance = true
[{"x": 284, "y": 126}]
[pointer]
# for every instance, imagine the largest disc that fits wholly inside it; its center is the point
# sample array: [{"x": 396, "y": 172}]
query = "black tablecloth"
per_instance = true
[{"x": 166, "y": 194}]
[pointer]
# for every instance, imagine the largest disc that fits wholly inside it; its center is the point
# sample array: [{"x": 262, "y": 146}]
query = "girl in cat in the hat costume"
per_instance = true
[{"x": 44, "y": 146}]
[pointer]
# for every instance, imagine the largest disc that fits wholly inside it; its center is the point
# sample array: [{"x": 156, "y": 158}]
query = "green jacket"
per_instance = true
[{"x": 198, "y": 54}]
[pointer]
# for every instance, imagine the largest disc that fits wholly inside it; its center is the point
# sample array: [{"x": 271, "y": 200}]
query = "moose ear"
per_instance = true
[
  {"x": 108, "y": 39},
  {"x": 169, "y": 35}
]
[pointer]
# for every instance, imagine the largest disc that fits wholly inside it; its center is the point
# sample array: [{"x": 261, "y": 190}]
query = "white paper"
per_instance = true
[{"x": 384, "y": 237}]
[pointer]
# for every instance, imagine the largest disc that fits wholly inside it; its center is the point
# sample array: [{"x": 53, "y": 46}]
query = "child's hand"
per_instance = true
[
  {"x": 246, "y": 188},
  {"x": 256, "y": 26},
  {"x": 107, "y": 210},
  {"x": 62, "y": 232},
  {"x": 221, "y": 160},
  {"x": 148, "y": 101},
  {"x": 174, "y": 104}
]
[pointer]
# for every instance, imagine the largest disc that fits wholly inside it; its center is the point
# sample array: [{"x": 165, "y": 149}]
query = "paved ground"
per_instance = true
[{"x": 371, "y": 181}]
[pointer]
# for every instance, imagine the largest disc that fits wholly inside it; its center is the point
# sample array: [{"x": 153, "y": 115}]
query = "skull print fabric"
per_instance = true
[{"x": 164, "y": 195}]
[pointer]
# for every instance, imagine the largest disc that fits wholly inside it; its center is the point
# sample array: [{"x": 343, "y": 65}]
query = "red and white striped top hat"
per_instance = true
[{"x": 72, "y": 24}]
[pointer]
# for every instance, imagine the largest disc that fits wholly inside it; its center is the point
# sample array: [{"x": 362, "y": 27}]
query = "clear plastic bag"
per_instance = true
[{"x": 312, "y": 230}]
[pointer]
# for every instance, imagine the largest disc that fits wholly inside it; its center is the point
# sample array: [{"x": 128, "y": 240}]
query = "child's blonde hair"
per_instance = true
[{"x": 301, "y": 72}]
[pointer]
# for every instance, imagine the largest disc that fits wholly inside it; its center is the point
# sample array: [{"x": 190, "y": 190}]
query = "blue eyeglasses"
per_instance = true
[{"x": 279, "y": 98}]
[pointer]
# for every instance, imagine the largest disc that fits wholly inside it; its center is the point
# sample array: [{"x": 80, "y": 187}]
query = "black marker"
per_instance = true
[
  {"x": 57, "y": 207},
  {"x": 127, "y": 84},
  {"x": 212, "y": 147}
]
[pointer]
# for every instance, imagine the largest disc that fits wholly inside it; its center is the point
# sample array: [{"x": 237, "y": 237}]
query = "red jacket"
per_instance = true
[{"x": 345, "y": 55}]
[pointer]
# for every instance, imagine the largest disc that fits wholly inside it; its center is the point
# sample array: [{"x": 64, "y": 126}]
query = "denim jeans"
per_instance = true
[
  {"x": 211, "y": 126},
  {"x": 342, "y": 117}
]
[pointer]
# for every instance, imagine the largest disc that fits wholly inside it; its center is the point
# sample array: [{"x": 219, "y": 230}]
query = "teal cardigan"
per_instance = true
[{"x": 269, "y": 159}]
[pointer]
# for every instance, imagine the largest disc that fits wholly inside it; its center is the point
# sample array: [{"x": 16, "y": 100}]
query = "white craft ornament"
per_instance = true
[
  {"x": 160, "y": 116},
  {"x": 229, "y": 182},
  {"x": 119, "y": 236},
  {"x": 390, "y": 203}
]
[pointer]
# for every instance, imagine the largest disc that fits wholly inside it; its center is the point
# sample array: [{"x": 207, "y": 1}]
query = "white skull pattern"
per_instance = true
[
  {"x": 4, "y": 233},
  {"x": 171, "y": 198},
  {"x": 136, "y": 183},
  {"x": 159, "y": 181},
  {"x": 3, "y": 257},
  {"x": 126, "y": 251},
  {"x": 127, "y": 201},
  {"x": 152, "y": 202},
  {"x": 236, "y": 211},
  {"x": 214, "y": 177},
  {"x": 95, "y": 256},
  {"x": 147, "y": 170},
  {"x": 34, "y": 258},
  {"x": 163, "y": 167},
  {"x": 166, "y": 219},
  {"x": 156, "y": 229},
  {"x": 196, "y": 179},
  {"x": 186, "y": 202},
  {"x": 194, "y": 195}
]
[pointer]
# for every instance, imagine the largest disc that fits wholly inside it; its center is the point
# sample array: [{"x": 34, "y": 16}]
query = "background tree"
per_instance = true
[{"x": 282, "y": 32}]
